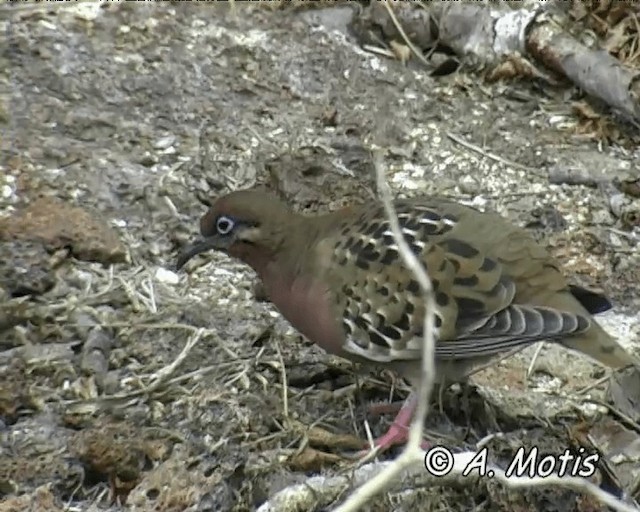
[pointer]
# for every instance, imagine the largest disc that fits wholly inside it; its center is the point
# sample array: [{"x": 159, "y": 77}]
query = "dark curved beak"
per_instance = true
[{"x": 201, "y": 245}]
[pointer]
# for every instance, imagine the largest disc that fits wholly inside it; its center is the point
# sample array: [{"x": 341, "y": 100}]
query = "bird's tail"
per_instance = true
[
  {"x": 595, "y": 342},
  {"x": 599, "y": 345}
]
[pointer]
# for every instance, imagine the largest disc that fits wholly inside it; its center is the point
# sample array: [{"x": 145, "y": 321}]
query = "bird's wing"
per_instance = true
[{"x": 381, "y": 306}]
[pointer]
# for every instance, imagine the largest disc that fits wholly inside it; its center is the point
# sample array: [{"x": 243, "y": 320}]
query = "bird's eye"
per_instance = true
[{"x": 224, "y": 225}]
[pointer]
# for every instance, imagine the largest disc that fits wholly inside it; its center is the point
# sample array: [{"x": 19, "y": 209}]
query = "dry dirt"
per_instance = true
[{"x": 124, "y": 386}]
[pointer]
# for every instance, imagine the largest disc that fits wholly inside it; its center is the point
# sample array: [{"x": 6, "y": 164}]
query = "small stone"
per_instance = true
[
  {"x": 164, "y": 142},
  {"x": 148, "y": 159},
  {"x": 469, "y": 185},
  {"x": 165, "y": 276}
]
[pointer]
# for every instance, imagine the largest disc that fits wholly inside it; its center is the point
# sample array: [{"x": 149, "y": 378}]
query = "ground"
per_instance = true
[{"x": 125, "y": 382}]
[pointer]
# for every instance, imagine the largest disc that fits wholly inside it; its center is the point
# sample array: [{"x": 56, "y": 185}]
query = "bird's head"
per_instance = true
[{"x": 250, "y": 225}]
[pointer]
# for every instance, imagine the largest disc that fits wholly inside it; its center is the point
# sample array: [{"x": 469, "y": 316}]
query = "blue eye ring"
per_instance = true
[{"x": 224, "y": 225}]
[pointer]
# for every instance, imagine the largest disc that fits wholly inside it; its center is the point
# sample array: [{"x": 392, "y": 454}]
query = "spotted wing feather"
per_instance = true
[{"x": 381, "y": 305}]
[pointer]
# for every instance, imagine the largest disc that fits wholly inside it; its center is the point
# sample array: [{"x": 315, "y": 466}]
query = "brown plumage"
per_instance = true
[{"x": 339, "y": 279}]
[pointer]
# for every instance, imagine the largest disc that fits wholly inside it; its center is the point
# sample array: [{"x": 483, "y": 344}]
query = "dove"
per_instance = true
[{"x": 340, "y": 280}]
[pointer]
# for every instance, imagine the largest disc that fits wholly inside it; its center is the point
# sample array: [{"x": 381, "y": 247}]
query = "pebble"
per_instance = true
[{"x": 165, "y": 276}]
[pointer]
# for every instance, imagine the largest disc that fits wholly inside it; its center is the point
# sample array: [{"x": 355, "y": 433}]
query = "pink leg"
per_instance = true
[{"x": 399, "y": 430}]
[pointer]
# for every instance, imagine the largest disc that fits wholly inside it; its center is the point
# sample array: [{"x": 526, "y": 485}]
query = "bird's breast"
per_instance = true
[{"x": 306, "y": 305}]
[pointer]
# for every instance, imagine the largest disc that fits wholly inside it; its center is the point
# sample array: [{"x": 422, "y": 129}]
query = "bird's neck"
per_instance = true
[
  {"x": 282, "y": 259},
  {"x": 259, "y": 260},
  {"x": 297, "y": 255}
]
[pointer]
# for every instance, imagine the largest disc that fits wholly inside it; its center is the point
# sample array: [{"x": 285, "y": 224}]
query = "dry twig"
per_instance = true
[
  {"x": 412, "y": 453},
  {"x": 497, "y": 158},
  {"x": 324, "y": 489},
  {"x": 411, "y": 46}
]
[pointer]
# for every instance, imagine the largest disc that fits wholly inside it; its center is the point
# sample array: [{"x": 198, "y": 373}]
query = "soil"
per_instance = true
[{"x": 128, "y": 386}]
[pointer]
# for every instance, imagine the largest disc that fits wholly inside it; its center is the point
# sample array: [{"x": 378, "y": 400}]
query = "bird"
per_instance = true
[{"x": 340, "y": 280}]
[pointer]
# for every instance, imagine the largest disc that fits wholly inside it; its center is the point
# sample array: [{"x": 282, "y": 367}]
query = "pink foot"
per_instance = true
[{"x": 398, "y": 432}]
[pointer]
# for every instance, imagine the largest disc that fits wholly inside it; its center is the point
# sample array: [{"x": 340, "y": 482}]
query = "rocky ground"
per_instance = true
[{"x": 127, "y": 386}]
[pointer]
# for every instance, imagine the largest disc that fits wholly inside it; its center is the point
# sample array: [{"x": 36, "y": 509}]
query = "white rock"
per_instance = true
[{"x": 165, "y": 276}]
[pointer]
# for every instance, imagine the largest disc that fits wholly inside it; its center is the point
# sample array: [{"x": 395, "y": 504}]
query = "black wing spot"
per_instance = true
[
  {"x": 369, "y": 253},
  {"x": 430, "y": 229},
  {"x": 468, "y": 307},
  {"x": 430, "y": 216},
  {"x": 444, "y": 228},
  {"x": 411, "y": 224},
  {"x": 379, "y": 231},
  {"x": 357, "y": 247},
  {"x": 361, "y": 323},
  {"x": 361, "y": 263},
  {"x": 442, "y": 299},
  {"x": 389, "y": 257},
  {"x": 409, "y": 238},
  {"x": 388, "y": 239},
  {"x": 488, "y": 265},
  {"x": 404, "y": 324},
  {"x": 390, "y": 332},
  {"x": 372, "y": 228},
  {"x": 370, "y": 247},
  {"x": 383, "y": 290},
  {"x": 438, "y": 323},
  {"x": 376, "y": 339},
  {"x": 460, "y": 248},
  {"x": 466, "y": 281},
  {"x": 415, "y": 248},
  {"x": 413, "y": 287},
  {"x": 347, "y": 243}
]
